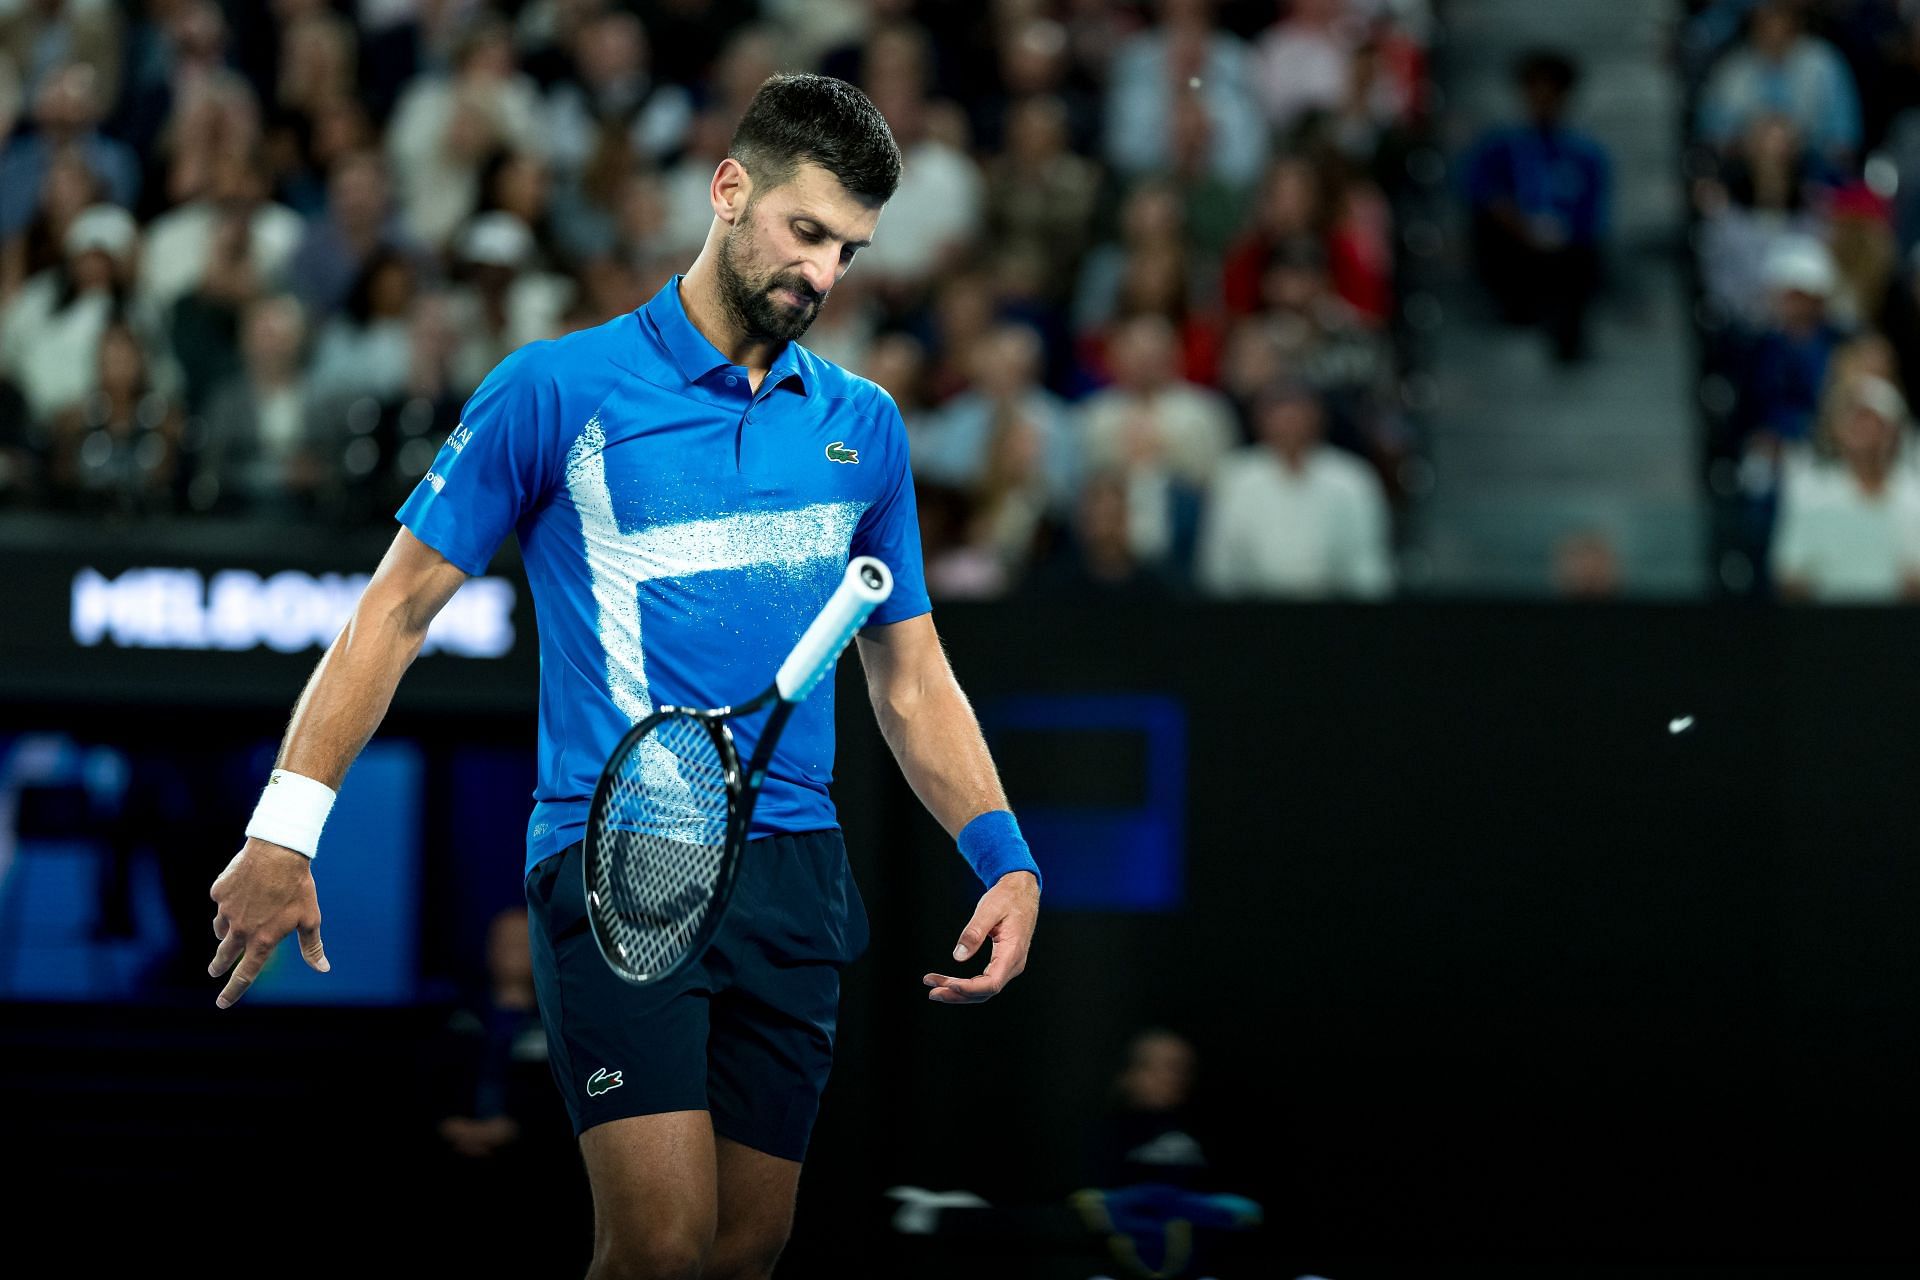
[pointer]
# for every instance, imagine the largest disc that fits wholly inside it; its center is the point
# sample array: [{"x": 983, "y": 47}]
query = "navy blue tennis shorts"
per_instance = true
[{"x": 745, "y": 1032}]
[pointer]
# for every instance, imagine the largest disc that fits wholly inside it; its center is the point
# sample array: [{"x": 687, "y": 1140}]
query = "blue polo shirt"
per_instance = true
[{"x": 679, "y": 531}]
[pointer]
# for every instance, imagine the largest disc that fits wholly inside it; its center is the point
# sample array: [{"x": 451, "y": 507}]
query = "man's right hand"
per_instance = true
[{"x": 265, "y": 893}]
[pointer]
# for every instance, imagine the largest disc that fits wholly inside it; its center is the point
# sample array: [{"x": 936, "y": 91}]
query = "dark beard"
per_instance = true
[{"x": 756, "y": 311}]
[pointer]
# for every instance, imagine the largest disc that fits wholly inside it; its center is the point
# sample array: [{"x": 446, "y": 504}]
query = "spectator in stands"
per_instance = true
[
  {"x": 173, "y": 49},
  {"x": 504, "y": 1059},
  {"x": 614, "y": 213},
  {"x": 1149, "y": 407},
  {"x": 1760, "y": 196},
  {"x": 1787, "y": 365},
  {"x": 1850, "y": 528},
  {"x": 447, "y": 126},
  {"x": 1291, "y": 516},
  {"x": 1585, "y": 567},
  {"x": 39, "y": 37},
  {"x": 66, "y": 117},
  {"x": 50, "y": 332},
  {"x": 1034, "y": 62},
  {"x": 897, "y": 363},
  {"x": 359, "y": 221},
  {"x": 216, "y": 121},
  {"x": 117, "y": 449},
  {"x": 364, "y": 350},
  {"x": 504, "y": 299},
  {"x": 1005, "y": 383},
  {"x": 1097, "y": 560},
  {"x": 614, "y": 109},
  {"x": 1184, "y": 57},
  {"x": 1859, "y": 234},
  {"x": 1157, "y": 280},
  {"x": 1780, "y": 68},
  {"x": 68, "y": 190},
  {"x": 963, "y": 311},
  {"x": 264, "y": 450},
  {"x": 517, "y": 182},
  {"x": 1148, "y": 1135},
  {"x": 1324, "y": 342},
  {"x": 1153, "y": 216},
  {"x": 1539, "y": 193},
  {"x": 940, "y": 206},
  {"x": 180, "y": 243},
  {"x": 1305, "y": 64},
  {"x": 1010, "y": 495},
  {"x": 1350, "y": 226},
  {"x": 1041, "y": 198},
  {"x": 315, "y": 79}
]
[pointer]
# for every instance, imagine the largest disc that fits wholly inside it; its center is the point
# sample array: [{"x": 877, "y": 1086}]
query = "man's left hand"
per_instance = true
[{"x": 1006, "y": 916}]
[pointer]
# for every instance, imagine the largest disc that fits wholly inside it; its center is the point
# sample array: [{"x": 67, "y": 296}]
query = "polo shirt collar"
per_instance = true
[{"x": 696, "y": 357}]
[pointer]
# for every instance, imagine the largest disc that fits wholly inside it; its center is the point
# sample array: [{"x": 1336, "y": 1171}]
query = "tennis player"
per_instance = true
[{"x": 687, "y": 484}]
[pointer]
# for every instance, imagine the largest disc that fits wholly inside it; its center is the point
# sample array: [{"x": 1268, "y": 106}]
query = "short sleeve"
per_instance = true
[
  {"x": 499, "y": 464},
  {"x": 889, "y": 530}
]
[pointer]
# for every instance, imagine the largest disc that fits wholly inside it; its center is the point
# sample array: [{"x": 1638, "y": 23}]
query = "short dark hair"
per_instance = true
[{"x": 796, "y": 118}]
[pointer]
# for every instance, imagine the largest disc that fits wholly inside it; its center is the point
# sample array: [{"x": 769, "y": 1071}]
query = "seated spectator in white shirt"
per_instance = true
[
  {"x": 1292, "y": 516},
  {"x": 180, "y": 243},
  {"x": 446, "y": 126},
  {"x": 50, "y": 332},
  {"x": 1850, "y": 528},
  {"x": 1189, "y": 426}
]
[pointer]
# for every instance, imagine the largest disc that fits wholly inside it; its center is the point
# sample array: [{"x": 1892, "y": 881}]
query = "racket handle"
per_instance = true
[{"x": 866, "y": 585}]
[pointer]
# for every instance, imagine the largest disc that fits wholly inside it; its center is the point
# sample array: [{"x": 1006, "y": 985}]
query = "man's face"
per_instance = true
[{"x": 787, "y": 251}]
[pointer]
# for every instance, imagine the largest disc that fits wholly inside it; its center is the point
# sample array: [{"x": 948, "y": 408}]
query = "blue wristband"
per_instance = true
[{"x": 993, "y": 846}]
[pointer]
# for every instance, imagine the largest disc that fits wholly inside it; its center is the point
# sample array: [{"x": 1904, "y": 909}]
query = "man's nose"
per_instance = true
[{"x": 818, "y": 271}]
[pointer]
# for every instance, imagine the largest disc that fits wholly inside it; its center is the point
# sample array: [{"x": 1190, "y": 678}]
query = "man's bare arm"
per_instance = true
[
  {"x": 928, "y": 722},
  {"x": 931, "y": 728},
  {"x": 348, "y": 694},
  {"x": 267, "y": 891}
]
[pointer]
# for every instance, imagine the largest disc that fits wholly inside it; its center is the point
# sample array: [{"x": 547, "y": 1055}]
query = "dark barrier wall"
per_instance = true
[
  {"x": 1480, "y": 956},
  {"x": 1481, "y": 959}
]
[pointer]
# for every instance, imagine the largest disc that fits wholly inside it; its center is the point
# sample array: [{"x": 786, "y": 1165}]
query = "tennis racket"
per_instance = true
[{"x": 673, "y": 807}]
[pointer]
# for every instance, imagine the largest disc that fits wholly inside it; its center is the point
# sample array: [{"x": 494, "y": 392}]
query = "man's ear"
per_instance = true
[{"x": 730, "y": 191}]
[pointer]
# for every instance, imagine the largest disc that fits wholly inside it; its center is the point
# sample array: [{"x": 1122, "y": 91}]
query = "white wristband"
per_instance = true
[{"x": 291, "y": 811}]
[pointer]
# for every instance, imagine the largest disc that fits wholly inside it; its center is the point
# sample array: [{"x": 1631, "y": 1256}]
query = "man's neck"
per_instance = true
[{"x": 700, "y": 299}]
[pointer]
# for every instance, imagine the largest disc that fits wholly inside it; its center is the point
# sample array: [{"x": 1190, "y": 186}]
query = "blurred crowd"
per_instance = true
[
  {"x": 1136, "y": 296},
  {"x": 1805, "y": 179}
]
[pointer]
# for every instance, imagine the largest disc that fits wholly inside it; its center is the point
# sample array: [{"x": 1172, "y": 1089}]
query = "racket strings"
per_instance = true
[{"x": 661, "y": 844}]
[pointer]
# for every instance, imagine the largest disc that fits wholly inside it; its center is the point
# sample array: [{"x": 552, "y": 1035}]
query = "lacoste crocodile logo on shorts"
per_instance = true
[
  {"x": 601, "y": 1081},
  {"x": 838, "y": 452}
]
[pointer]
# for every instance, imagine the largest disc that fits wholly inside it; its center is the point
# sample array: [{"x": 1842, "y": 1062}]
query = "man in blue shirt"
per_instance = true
[
  {"x": 1539, "y": 194},
  {"x": 687, "y": 485}
]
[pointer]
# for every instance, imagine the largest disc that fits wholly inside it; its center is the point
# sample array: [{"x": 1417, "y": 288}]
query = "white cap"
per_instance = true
[
  {"x": 106, "y": 227},
  {"x": 1801, "y": 264},
  {"x": 497, "y": 240},
  {"x": 1877, "y": 394}
]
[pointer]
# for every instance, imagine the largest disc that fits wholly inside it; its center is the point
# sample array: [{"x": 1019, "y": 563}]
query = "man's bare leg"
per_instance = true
[
  {"x": 654, "y": 1185},
  {"x": 756, "y": 1211}
]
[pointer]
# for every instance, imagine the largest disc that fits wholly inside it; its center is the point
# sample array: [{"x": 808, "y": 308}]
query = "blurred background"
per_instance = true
[{"x": 1414, "y": 488}]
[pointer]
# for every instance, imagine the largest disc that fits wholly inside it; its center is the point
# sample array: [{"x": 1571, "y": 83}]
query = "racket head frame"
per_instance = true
[{"x": 739, "y": 814}]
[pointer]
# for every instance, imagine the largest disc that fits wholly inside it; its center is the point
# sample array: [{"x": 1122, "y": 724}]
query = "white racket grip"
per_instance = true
[{"x": 866, "y": 585}]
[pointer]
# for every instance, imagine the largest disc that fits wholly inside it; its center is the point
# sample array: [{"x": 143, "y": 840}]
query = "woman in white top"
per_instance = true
[{"x": 1850, "y": 526}]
